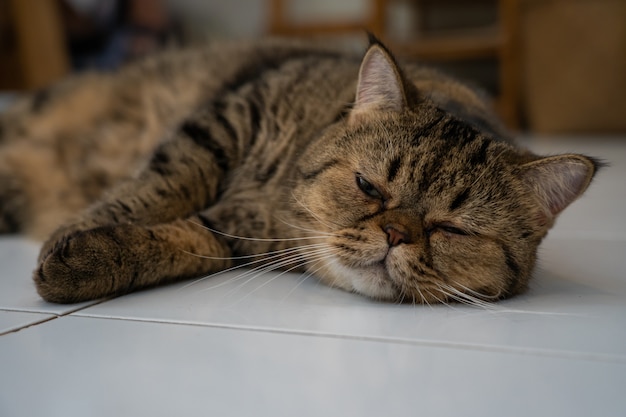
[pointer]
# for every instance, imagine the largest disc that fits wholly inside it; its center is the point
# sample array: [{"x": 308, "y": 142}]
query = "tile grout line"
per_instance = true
[
  {"x": 548, "y": 353},
  {"x": 26, "y": 326},
  {"x": 53, "y": 315}
]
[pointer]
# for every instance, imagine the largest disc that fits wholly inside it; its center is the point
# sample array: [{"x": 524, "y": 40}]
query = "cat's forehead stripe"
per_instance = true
[
  {"x": 310, "y": 175},
  {"x": 460, "y": 199},
  {"x": 458, "y": 132},
  {"x": 438, "y": 163},
  {"x": 394, "y": 167},
  {"x": 427, "y": 130}
]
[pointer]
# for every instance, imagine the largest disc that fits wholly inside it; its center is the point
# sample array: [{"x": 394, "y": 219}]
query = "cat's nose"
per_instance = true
[{"x": 396, "y": 235}]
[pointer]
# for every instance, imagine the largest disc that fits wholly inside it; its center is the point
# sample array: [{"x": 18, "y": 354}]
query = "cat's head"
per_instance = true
[{"x": 421, "y": 206}]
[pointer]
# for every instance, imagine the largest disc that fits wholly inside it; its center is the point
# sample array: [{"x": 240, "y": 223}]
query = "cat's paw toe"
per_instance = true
[
  {"x": 58, "y": 239},
  {"x": 75, "y": 268}
]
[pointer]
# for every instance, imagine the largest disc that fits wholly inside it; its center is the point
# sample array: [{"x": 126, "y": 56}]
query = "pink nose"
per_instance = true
[{"x": 395, "y": 236}]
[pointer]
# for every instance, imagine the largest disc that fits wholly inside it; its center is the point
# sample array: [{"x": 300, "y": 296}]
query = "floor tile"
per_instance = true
[
  {"x": 14, "y": 320},
  {"x": 572, "y": 307},
  {"x": 588, "y": 266},
  {"x": 597, "y": 214},
  {"x": 18, "y": 258},
  {"x": 80, "y": 366}
]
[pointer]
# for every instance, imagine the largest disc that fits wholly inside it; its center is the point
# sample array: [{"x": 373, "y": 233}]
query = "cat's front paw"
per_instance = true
[
  {"x": 59, "y": 238},
  {"x": 80, "y": 266}
]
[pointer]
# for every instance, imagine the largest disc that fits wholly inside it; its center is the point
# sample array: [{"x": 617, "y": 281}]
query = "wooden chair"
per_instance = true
[
  {"x": 498, "y": 41},
  {"x": 32, "y": 44}
]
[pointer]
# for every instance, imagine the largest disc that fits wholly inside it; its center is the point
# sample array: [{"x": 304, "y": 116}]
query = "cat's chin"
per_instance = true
[{"x": 372, "y": 281}]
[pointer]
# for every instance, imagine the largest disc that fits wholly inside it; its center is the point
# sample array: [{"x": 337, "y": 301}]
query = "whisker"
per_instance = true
[
  {"x": 307, "y": 261},
  {"x": 315, "y": 216},
  {"x": 266, "y": 267},
  {"x": 424, "y": 300},
  {"x": 474, "y": 300},
  {"x": 280, "y": 251},
  {"x": 310, "y": 273},
  {"x": 494, "y": 308},
  {"x": 440, "y": 301},
  {"x": 279, "y": 263},
  {"x": 300, "y": 282},
  {"x": 444, "y": 302},
  {"x": 463, "y": 298},
  {"x": 256, "y": 239},
  {"x": 261, "y": 272},
  {"x": 402, "y": 294},
  {"x": 333, "y": 283},
  {"x": 476, "y": 293},
  {"x": 305, "y": 229},
  {"x": 275, "y": 255}
]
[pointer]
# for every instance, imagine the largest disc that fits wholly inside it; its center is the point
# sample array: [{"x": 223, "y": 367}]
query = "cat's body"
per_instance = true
[{"x": 399, "y": 185}]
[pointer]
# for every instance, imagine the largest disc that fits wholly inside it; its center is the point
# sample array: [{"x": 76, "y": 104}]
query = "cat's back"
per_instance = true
[
  {"x": 97, "y": 129},
  {"x": 205, "y": 71}
]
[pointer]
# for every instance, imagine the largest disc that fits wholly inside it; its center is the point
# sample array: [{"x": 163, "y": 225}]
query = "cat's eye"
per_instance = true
[
  {"x": 368, "y": 188},
  {"x": 452, "y": 229},
  {"x": 446, "y": 227}
]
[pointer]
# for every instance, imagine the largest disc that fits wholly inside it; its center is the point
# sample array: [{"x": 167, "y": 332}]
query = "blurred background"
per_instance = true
[{"x": 552, "y": 66}]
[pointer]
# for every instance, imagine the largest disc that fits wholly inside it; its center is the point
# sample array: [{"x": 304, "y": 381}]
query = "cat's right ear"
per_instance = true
[
  {"x": 559, "y": 180},
  {"x": 380, "y": 86}
]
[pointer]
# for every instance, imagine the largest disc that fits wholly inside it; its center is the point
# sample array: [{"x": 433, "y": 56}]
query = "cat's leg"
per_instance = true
[
  {"x": 34, "y": 192},
  {"x": 117, "y": 259},
  {"x": 183, "y": 177},
  {"x": 135, "y": 236},
  {"x": 62, "y": 147},
  {"x": 11, "y": 203}
]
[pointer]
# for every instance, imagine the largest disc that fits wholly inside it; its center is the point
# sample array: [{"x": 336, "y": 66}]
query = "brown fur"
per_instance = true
[{"x": 394, "y": 182}]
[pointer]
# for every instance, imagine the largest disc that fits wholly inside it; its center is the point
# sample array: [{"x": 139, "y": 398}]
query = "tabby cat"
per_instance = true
[{"x": 395, "y": 183}]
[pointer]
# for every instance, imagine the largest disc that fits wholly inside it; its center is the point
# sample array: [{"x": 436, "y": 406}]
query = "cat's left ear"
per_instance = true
[
  {"x": 381, "y": 85},
  {"x": 559, "y": 180}
]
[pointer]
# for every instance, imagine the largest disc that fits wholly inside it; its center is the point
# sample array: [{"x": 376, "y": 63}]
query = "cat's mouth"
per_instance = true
[
  {"x": 372, "y": 280},
  {"x": 375, "y": 281}
]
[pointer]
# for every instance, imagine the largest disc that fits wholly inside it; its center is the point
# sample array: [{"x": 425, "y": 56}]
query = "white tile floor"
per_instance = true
[{"x": 279, "y": 345}]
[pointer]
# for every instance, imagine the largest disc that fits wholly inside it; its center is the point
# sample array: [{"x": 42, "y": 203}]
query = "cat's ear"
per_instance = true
[
  {"x": 559, "y": 180},
  {"x": 380, "y": 86}
]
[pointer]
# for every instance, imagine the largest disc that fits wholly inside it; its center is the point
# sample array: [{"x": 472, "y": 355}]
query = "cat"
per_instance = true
[{"x": 394, "y": 182}]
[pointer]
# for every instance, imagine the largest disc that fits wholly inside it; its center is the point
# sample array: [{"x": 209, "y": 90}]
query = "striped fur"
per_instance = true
[{"x": 401, "y": 179}]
